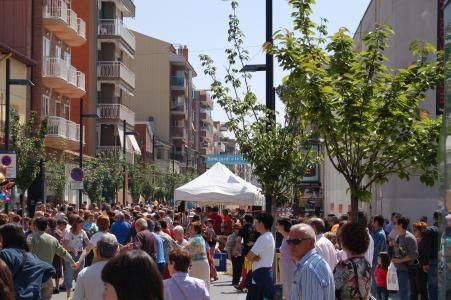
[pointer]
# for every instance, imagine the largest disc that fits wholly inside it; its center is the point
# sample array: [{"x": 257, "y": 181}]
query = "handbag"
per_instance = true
[{"x": 392, "y": 278}]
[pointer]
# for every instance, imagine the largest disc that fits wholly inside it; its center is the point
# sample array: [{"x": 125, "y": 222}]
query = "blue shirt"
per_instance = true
[
  {"x": 121, "y": 230},
  {"x": 313, "y": 279},
  {"x": 380, "y": 244},
  {"x": 159, "y": 259}
]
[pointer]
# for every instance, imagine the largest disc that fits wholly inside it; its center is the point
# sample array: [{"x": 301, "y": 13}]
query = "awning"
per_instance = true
[{"x": 134, "y": 143}]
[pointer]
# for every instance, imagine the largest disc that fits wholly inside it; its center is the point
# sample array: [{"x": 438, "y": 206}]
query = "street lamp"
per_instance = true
[
  {"x": 124, "y": 123},
  {"x": 9, "y": 82},
  {"x": 80, "y": 158}
]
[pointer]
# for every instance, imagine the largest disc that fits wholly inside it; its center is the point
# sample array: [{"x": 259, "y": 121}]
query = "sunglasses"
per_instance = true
[{"x": 296, "y": 241}]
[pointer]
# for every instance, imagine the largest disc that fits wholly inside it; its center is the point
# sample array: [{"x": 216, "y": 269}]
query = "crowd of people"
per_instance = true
[{"x": 150, "y": 251}]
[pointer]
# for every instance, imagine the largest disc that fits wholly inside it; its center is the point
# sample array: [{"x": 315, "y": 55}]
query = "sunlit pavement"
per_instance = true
[{"x": 221, "y": 289}]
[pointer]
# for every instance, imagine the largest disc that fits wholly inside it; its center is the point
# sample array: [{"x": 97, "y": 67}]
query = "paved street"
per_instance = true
[{"x": 221, "y": 290}]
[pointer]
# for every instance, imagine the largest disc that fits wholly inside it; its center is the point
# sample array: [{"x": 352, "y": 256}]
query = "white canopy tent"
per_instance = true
[{"x": 219, "y": 185}]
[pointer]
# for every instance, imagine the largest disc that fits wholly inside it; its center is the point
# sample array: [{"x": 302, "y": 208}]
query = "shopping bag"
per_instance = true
[{"x": 392, "y": 278}]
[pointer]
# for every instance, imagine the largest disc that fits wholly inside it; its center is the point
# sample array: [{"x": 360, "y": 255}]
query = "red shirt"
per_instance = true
[
  {"x": 217, "y": 221},
  {"x": 228, "y": 225},
  {"x": 381, "y": 277}
]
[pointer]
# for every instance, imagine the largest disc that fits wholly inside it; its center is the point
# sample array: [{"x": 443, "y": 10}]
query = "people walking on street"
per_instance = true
[
  {"x": 29, "y": 272},
  {"x": 179, "y": 236},
  {"x": 286, "y": 263},
  {"x": 132, "y": 275},
  {"x": 197, "y": 248},
  {"x": 238, "y": 260},
  {"x": 404, "y": 256},
  {"x": 181, "y": 286},
  {"x": 312, "y": 279},
  {"x": 121, "y": 229},
  {"x": 324, "y": 247},
  {"x": 353, "y": 275},
  {"x": 45, "y": 247},
  {"x": 89, "y": 282},
  {"x": 380, "y": 245},
  {"x": 431, "y": 241},
  {"x": 261, "y": 283},
  {"x": 74, "y": 241},
  {"x": 419, "y": 277}
]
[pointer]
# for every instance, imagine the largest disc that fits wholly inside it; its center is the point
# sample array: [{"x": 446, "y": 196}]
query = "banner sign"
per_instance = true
[
  {"x": 226, "y": 159},
  {"x": 8, "y": 160}
]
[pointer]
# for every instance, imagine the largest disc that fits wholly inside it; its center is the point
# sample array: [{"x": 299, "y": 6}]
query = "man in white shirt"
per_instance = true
[
  {"x": 89, "y": 283},
  {"x": 262, "y": 256},
  {"x": 323, "y": 246}
]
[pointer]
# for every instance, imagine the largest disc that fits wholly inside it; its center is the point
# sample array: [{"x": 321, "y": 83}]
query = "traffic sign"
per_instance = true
[
  {"x": 76, "y": 174},
  {"x": 8, "y": 160},
  {"x": 76, "y": 185}
]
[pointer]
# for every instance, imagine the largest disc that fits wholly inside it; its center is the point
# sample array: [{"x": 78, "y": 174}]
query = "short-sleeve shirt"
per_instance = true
[
  {"x": 76, "y": 240},
  {"x": 406, "y": 245},
  {"x": 264, "y": 247},
  {"x": 249, "y": 236},
  {"x": 353, "y": 278}
]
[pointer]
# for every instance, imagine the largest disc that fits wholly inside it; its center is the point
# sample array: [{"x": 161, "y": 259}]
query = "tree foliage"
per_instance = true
[
  {"x": 27, "y": 140},
  {"x": 55, "y": 173},
  {"x": 280, "y": 153},
  {"x": 368, "y": 115}
]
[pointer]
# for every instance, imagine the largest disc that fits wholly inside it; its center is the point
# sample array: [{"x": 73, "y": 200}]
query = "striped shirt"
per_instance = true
[{"x": 313, "y": 279}]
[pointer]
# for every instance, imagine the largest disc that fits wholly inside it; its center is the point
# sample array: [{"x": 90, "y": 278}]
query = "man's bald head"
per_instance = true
[
  {"x": 141, "y": 224},
  {"x": 301, "y": 240}
]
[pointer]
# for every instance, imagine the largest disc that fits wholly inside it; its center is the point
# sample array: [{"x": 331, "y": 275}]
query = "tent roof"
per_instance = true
[{"x": 220, "y": 185}]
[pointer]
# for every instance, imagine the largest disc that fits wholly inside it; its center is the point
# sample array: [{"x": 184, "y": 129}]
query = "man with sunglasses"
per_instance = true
[{"x": 313, "y": 279}]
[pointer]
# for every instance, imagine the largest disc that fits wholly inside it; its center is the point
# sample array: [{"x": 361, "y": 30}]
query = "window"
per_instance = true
[
  {"x": 159, "y": 153},
  {"x": 46, "y": 47},
  {"x": 58, "y": 108},
  {"x": 58, "y": 51},
  {"x": 66, "y": 111},
  {"x": 45, "y": 105}
]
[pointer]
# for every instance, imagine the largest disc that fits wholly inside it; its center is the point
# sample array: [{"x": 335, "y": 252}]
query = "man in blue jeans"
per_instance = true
[
  {"x": 431, "y": 240},
  {"x": 405, "y": 254}
]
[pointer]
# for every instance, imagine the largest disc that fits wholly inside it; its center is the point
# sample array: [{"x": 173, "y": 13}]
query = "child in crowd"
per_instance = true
[{"x": 380, "y": 275}]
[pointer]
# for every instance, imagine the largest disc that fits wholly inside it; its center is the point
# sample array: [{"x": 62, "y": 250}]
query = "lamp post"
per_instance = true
[
  {"x": 8, "y": 83},
  {"x": 124, "y": 123},
  {"x": 269, "y": 68},
  {"x": 80, "y": 157}
]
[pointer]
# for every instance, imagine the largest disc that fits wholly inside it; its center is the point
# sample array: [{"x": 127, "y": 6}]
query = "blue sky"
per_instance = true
[{"x": 202, "y": 26}]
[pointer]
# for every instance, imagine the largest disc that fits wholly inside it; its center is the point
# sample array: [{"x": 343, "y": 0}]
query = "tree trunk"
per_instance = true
[{"x": 354, "y": 207}]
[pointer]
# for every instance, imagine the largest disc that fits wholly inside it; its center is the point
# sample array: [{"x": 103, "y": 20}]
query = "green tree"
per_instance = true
[
  {"x": 93, "y": 174},
  {"x": 280, "y": 153},
  {"x": 55, "y": 173},
  {"x": 150, "y": 182},
  {"x": 137, "y": 178},
  {"x": 368, "y": 115},
  {"x": 27, "y": 140}
]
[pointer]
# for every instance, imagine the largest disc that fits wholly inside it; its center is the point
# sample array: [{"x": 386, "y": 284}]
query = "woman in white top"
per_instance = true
[
  {"x": 103, "y": 223},
  {"x": 73, "y": 242}
]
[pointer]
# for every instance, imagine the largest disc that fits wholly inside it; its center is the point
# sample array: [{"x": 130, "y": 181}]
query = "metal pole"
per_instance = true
[
  {"x": 7, "y": 109},
  {"x": 80, "y": 157},
  {"x": 123, "y": 152},
  {"x": 270, "y": 99}
]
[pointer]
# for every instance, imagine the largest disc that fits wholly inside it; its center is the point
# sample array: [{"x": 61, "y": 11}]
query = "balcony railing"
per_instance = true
[
  {"x": 177, "y": 106},
  {"x": 116, "y": 111},
  {"x": 72, "y": 75},
  {"x": 60, "y": 127},
  {"x": 55, "y": 67},
  {"x": 81, "y": 81},
  {"x": 72, "y": 20},
  {"x": 115, "y": 70},
  {"x": 56, "y": 9},
  {"x": 177, "y": 81},
  {"x": 115, "y": 27},
  {"x": 178, "y": 132}
]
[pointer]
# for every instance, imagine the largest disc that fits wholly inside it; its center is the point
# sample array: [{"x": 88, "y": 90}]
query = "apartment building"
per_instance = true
[
  {"x": 411, "y": 20},
  {"x": 116, "y": 82},
  {"x": 164, "y": 98},
  {"x": 206, "y": 145}
]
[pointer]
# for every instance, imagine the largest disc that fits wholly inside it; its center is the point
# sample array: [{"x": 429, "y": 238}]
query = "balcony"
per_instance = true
[
  {"x": 127, "y": 7},
  {"x": 115, "y": 29},
  {"x": 64, "y": 23},
  {"x": 116, "y": 112},
  {"x": 179, "y": 133},
  {"x": 115, "y": 71},
  {"x": 178, "y": 83},
  {"x": 62, "y": 134},
  {"x": 64, "y": 78},
  {"x": 178, "y": 107},
  {"x": 116, "y": 151}
]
